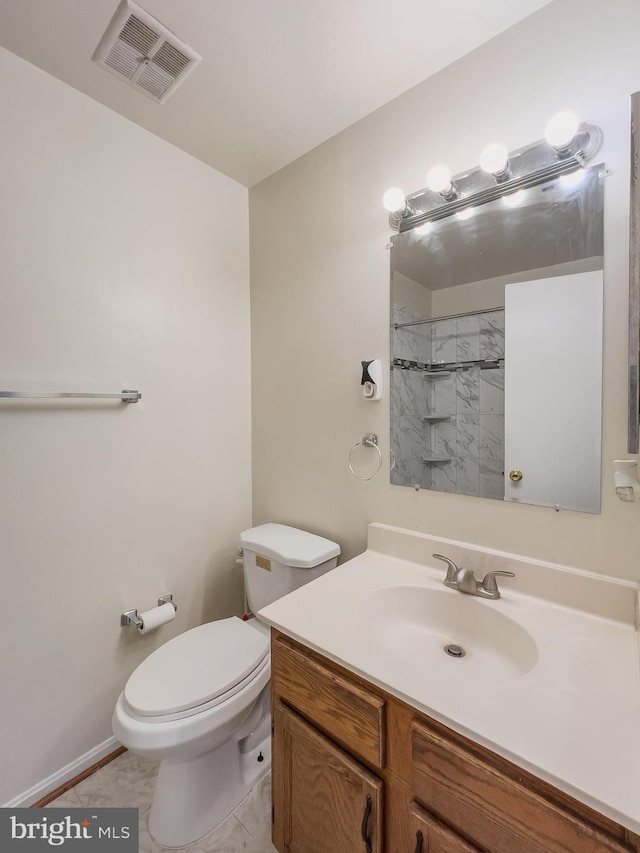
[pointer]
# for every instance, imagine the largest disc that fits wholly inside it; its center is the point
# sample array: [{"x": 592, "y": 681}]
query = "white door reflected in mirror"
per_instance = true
[{"x": 553, "y": 390}]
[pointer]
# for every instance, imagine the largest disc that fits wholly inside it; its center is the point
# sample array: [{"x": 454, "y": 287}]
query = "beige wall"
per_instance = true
[
  {"x": 477, "y": 296},
  {"x": 320, "y": 289},
  {"x": 415, "y": 297},
  {"x": 123, "y": 263}
]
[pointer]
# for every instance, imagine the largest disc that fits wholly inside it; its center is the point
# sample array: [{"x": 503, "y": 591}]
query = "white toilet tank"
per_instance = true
[{"x": 278, "y": 559}]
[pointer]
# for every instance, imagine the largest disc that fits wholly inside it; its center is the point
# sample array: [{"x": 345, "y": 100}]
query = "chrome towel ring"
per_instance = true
[{"x": 368, "y": 440}]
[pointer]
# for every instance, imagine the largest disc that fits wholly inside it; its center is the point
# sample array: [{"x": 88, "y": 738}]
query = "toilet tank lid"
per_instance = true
[{"x": 288, "y": 545}]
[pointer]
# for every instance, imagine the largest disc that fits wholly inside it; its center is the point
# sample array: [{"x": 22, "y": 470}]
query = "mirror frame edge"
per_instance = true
[{"x": 634, "y": 279}]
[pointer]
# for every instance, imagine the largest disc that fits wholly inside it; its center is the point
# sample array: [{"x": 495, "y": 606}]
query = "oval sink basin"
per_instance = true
[{"x": 416, "y": 623}]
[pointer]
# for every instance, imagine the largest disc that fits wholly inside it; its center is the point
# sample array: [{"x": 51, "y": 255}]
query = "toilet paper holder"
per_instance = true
[{"x": 130, "y": 617}]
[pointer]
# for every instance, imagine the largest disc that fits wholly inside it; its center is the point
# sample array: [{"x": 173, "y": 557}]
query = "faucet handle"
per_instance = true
[
  {"x": 489, "y": 583},
  {"x": 452, "y": 571}
]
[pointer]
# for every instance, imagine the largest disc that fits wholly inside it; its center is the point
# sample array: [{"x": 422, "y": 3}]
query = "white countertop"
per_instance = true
[{"x": 572, "y": 719}]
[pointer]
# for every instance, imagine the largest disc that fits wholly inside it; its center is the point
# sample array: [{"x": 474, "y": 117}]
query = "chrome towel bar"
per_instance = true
[{"x": 124, "y": 396}]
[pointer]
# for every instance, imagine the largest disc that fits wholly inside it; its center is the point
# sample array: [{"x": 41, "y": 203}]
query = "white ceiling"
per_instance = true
[{"x": 277, "y": 77}]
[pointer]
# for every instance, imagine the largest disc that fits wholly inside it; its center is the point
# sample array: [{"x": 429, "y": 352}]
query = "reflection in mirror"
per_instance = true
[{"x": 496, "y": 348}]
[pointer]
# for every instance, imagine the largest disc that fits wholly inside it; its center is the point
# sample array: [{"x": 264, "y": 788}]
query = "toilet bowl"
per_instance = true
[
  {"x": 212, "y": 737},
  {"x": 200, "y": 704}
]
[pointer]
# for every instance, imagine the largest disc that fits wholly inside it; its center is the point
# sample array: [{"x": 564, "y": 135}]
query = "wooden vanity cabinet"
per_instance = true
[
  {"x": 496, "y": 805},
  {"x": 431, "y": 836},
  {"x": 356, "y": 770}
]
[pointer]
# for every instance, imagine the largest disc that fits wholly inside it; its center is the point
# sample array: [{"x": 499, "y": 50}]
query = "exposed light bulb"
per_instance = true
[
  {"x": 465, "y": 213},
  {"x": 439, "y": 180},
  {"x": 513, "y": 199},
  {"x": 425, "y": 228},
  {"x": 573, "y": 179},
  {"x": 394, "y": 200},
  {"x": 494, "y": 159},
  {"x": 561, "y": 129}
]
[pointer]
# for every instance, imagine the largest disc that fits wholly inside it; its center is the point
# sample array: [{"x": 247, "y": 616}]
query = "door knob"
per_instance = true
[{"x": 516, "y": 475}]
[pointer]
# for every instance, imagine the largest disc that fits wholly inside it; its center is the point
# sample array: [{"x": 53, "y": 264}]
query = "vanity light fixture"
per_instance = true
[
  {"x": 567, "y": 148},
  {"x": 495, "y": 161},
  {"x": 399, "y": 208},
  {"x": 439, "y": 181},
  {"x": 561, "y": 131},
  {"x": 395, "y": 202}
]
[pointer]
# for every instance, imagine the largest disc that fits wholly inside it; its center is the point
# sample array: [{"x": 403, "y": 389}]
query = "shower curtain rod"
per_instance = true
[{"x": 448, "y": 317}]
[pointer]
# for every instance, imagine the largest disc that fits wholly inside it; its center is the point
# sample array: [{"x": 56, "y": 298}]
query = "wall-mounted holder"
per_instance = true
[
  {"x": 372, "y": 377},
  {"x": 132, "y": 617},
  {"x": 626, "y": 479},
  {"x": 368, "y": 440}
]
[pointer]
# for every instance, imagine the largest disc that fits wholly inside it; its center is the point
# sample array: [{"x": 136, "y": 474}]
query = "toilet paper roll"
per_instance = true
[{"x": 157, "y": 616}]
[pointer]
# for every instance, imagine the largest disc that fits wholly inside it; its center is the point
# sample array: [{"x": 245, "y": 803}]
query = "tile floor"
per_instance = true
[{"x": 128, "y": 782}]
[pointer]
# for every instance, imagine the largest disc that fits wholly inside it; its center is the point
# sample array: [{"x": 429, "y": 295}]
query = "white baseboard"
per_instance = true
[{"x": 37, "y": 792}]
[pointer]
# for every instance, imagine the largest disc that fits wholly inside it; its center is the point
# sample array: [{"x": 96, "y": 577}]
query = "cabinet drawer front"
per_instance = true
[
  {"x": 431, "y": 836},
  {"x": 492, "y": 809},
  {"x": 349, "y": 714}
]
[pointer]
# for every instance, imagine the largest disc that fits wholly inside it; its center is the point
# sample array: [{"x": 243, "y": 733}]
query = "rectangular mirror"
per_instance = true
[{"x": 496, "y": 347}]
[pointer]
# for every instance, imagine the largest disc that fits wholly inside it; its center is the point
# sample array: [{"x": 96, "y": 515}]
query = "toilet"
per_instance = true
[{"x": 201, "y": 703}]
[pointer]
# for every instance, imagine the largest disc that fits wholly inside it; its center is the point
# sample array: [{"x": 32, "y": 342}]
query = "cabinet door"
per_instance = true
[
  {"x": 430, "y": 836},
  {"x": 324, "y": 801}
]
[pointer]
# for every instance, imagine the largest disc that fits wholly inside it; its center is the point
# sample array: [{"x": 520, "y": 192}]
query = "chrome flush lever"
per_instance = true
[{"x": 452, "y": 571}]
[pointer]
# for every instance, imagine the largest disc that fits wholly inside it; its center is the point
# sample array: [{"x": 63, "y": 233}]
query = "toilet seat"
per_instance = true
[{"x": 197, "y": 670}]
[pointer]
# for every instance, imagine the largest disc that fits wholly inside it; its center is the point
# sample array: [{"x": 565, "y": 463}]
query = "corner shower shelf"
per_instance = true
[
  {"x": 431, "y": 375},
  {"x": 432, "y": 460},
  {"x": 436, "y": 417}
]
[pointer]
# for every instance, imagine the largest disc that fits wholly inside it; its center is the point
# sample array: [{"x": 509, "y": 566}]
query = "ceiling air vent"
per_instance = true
[{"x": 144, "y": 53}]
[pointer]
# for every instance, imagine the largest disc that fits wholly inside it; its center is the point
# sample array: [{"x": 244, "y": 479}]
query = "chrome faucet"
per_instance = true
[{"x": 465, "y": 581}]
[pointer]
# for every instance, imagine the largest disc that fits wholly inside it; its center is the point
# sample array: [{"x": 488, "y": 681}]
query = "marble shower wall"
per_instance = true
[
  {"x": 413, "y": 342},
  {"x": 409, "y": 439},
  {"x": 470, "y": 401}
]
